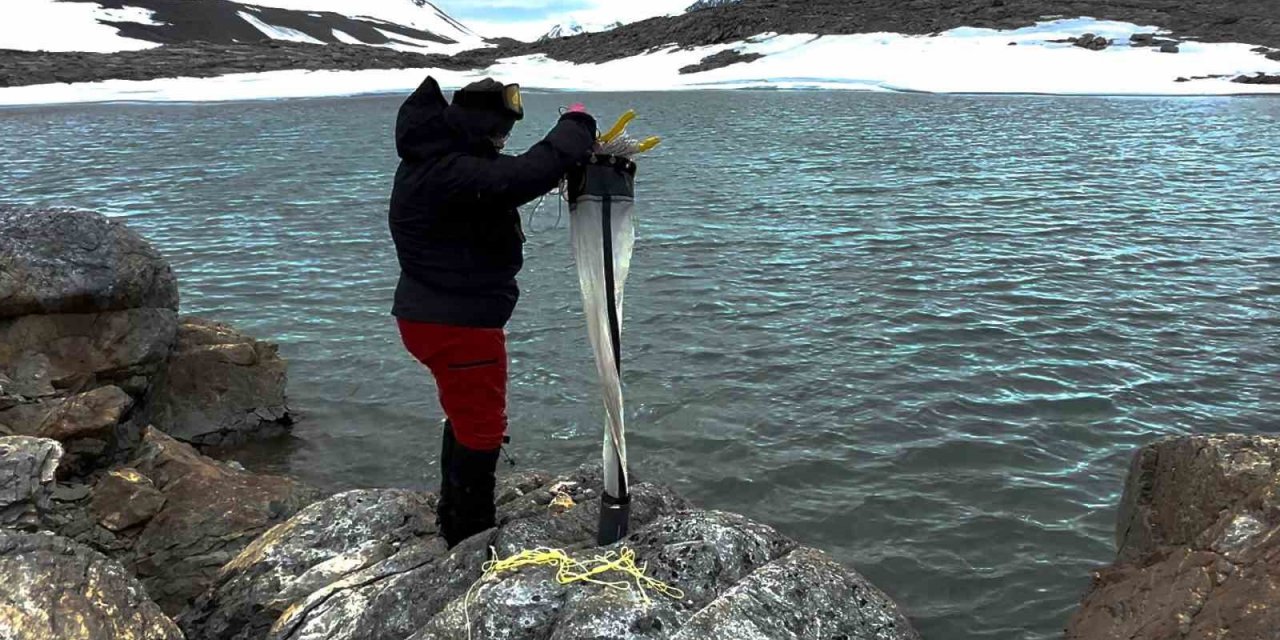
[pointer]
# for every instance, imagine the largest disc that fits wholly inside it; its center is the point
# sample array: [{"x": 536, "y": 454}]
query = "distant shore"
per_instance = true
[{"x": 1059, "y": 57}]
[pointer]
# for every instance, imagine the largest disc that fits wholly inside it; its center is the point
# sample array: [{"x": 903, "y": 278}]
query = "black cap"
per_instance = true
[{"x": 491, "y": 95}]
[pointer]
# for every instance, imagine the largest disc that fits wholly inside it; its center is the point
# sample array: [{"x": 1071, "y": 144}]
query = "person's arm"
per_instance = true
[{"x": 517, "y": 180}]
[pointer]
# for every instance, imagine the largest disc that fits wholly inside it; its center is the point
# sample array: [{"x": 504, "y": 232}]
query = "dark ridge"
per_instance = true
[
  {"x": 205, "y": 59},
  {"x": 721, "y": 60},
  {"x": 216, "y": 21},
  {"x": 1250, "y": 21},
  {"x": 1260, "y": 78}
]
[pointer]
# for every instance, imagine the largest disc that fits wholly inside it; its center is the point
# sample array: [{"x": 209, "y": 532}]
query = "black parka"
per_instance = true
[{"x": 454, "y": 215}]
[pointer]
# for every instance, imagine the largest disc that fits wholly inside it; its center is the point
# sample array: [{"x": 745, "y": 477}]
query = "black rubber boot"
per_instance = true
[
  {"x": 446, "y": 502},
  {"x": 466, "y": 490}
]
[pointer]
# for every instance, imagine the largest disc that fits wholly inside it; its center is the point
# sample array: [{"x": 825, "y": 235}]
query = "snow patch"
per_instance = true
[
  {"x": 130, "y": 14},
  {"x": 277, "y": 33},
  {"x": 345, "y": 37},
  {"x": 423, "y": 16},
  {"x": 414, "y": 45},
  {"x": 45, "y": 25}
]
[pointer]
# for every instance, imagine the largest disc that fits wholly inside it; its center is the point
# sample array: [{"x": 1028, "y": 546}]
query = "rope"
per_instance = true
[{"x": 570, "y": 571}]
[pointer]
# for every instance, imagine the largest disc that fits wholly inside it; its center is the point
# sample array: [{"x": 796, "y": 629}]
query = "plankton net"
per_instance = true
[{"x": 601, "y": 199}]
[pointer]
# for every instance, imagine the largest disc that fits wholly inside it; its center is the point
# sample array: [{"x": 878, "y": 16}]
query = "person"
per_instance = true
[{"x": 458, "y": 238}]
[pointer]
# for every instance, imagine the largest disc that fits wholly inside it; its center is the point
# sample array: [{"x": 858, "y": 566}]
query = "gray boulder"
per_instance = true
[
  {"x": 1199, "y": 545},
  {"x": 367, "y": 565},
  {"x": 27, "y": 467},
  {"x": 62, "y": 261},
  {"x": 219, "y": 387},
  {"x": 51, "y": 587}
]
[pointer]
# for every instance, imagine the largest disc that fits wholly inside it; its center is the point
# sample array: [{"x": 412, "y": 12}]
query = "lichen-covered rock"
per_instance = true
[
  {"x": 211, "y": 512},
  {"x": 125, "y": 498},
  {"x": 61, "y": 261},
  {"x": 51, "y": 587},
  {"x": 27, "y": 467},
  {"x": 219, "y": 387},
  {"x": 804, "y": 594},
  {"x": 326, "y": 575},
  {"x": 319, "y": 546},
  {"x": 740, "y": 580},
  {"x": 1199, "y": 545}
]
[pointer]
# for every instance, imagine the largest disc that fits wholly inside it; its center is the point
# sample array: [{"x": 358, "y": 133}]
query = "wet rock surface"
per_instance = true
[
  {"x": 51, "y": 587},
  {"x": 219, "y": 387},
  {"x": 367, "y": 564},
  {"x": 27, "y": 467},
  {"x": 1198, "y": 540}
]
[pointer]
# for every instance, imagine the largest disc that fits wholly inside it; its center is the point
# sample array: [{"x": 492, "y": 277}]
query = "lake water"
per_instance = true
[{"x": 922, "y": 333}]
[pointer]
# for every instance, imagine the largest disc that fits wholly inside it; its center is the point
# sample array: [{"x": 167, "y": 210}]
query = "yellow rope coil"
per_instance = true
[{"x": 570, "y": 571}]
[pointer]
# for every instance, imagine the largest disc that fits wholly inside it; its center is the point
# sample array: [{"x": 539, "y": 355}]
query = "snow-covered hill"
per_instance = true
[
  {"x": 572, "y": 28},
  {"x": 125, "y": 25},
  {"x": 709, "y": 4}
]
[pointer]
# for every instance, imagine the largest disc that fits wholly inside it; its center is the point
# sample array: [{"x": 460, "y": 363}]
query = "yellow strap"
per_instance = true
[
  {"x": 619, "y": 126},
  {"x": 570, "y": 571},
  {"x": 648, "y": 144}
]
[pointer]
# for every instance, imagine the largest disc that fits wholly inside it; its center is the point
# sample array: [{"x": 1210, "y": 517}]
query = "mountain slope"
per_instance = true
[
  {"x": 1249, "y": 21},
  {"x": 88, "y": 25}
]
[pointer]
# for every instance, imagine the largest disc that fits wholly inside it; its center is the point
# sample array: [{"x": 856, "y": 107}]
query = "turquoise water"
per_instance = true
[{"x": 922, "y": 333}]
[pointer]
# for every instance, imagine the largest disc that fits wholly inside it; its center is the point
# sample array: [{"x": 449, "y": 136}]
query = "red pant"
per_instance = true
[{"x": 470, "y": 368}]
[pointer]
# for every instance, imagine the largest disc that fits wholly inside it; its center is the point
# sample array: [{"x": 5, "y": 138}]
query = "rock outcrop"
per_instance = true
[
  {"x": 51, "y": 587},
  {"x": 1198, "y": 541},
  {"x": 1258, "y": 78},
  {"x": 27, "y": 468},
  {"x": 219, "y": 387},
  {"x": 88, "y": 314},
  {"x": 92, "y": 349},
  {"x": 175, "y": 517},
  {"x": 366, "y": 564},
  {"x": 1091, "y": 42},
  {"x": 721, "y": 60}
]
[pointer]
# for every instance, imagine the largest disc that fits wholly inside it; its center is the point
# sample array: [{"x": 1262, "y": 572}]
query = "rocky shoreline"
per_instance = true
[
  {"x": 115, "y": 523},
  {"x": 1249, "y": 21}
]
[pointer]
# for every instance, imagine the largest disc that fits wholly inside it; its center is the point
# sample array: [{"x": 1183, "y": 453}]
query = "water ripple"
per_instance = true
[{"x": 922, "y": 332}]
